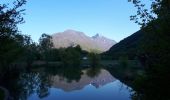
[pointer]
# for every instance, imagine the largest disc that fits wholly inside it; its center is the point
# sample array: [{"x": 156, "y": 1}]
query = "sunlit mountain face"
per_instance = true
[{"x": 73, "y": 38}]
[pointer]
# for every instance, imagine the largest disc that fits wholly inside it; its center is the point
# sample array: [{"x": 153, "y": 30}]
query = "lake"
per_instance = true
[{"x": 86, "y": 84}]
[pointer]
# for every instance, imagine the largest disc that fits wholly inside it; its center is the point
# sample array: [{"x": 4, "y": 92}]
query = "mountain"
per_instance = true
[{"x": 73, "y": 38}]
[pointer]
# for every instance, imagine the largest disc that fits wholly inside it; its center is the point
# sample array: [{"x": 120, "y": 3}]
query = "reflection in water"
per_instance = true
[
  {"x": 34, "y": 83},
  {"x": 70, "y": 73},
  {"x": 101, "y": 79},
  {"x": 51, "y": 83},
  {"x": 92, "y": 72}
]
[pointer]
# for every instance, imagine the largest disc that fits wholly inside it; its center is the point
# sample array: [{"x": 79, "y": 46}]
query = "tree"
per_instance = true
[
  {"x": 30, "y": 50},
  {"x": 70, "y": 56},
  {"x": 94, "y": 60},
  {"x": 10, "y": 39},
  {"x": 156, "y": 50},
  {"x": 159, "y": 10},
  {"x": 46, "y": 44}
]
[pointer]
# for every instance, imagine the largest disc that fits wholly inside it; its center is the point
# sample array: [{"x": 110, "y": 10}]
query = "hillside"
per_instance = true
[{"x": 129, "y": 46}]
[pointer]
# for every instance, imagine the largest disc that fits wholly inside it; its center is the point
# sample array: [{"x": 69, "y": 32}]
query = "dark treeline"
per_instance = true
[{"x": 150, "y": 46}]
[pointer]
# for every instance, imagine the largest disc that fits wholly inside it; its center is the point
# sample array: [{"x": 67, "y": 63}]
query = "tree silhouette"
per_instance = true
[
  {"x": 45, "y": 43},
  {"x": 10, "y": 39},
  {"x": 153, "y": 83}
]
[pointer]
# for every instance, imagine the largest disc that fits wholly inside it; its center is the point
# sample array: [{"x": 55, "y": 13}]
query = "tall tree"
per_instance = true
[
  {"x": 10, "y": 39},
  {"x": 46, "y": 44},
  {"x": 30, "y": 50}
]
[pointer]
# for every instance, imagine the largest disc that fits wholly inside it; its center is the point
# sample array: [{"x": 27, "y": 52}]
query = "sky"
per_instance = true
[{"x": 109, "y": 18}]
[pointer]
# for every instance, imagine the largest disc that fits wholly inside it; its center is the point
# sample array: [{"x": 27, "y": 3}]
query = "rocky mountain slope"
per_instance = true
[{"x": 72, "y": 38}]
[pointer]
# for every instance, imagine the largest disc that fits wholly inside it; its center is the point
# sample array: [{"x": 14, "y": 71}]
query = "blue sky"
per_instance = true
[{"x": 109, "y": 18}]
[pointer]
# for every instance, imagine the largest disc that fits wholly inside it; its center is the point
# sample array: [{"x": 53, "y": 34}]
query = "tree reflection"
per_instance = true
[
  {"x": 29, "y": 82},
  {"x": 38, "y": 80},
  {"x": 10, "y": 82},
  {"x": 93, "y": 72},
  {"x": 34, "y": 83},
  {"x": 70, "y": 72}
]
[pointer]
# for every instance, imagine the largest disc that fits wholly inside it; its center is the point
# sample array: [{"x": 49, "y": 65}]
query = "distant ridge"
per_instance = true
[{"x": 71, "y": 38}]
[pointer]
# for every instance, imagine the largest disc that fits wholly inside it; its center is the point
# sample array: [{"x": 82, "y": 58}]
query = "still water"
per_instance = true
[{"x": 84, "y": 85}]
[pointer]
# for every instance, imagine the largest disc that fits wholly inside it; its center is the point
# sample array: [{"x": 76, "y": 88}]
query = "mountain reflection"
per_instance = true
[
  {"x": 97, "y": 81},
  {"x": 41, "y": 80}
]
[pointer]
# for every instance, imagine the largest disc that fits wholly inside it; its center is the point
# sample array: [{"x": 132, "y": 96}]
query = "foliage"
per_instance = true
[
  {"x": 156, "y": 51},
  {"x": 45, "y": 43},
  {"x": 30, "y": 51},
  {"x": 94, "y": 59},
  {"x": 53, "y": 55},
  {"x": 11, "y": 42},
  {"x": 70, "y": 56},
  {"x": 159, "y": 9}
]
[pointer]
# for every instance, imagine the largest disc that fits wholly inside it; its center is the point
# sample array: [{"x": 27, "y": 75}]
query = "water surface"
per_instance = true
[{"x": 87, "y": 85}]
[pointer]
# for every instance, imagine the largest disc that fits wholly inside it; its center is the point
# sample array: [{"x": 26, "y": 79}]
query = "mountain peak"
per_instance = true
[{"x": 96, "y": 36}]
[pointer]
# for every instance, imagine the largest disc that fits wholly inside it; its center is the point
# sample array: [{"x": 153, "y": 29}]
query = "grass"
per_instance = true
[{"x": 2, "y": 94}]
